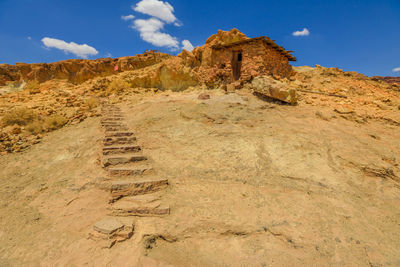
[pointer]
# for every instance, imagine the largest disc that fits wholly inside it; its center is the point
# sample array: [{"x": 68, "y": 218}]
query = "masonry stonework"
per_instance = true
[{"x": 256, "y": 59}]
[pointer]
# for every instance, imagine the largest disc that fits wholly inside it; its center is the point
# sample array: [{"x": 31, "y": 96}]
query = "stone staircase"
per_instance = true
[{"x": 134, "y": 188}]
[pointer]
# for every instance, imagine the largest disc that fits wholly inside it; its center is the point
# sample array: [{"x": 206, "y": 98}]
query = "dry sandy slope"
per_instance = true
[{"x": 252, "y": 183}]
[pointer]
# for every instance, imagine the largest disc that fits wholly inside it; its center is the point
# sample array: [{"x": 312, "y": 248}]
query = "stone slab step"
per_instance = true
[
  {"x": 112, "y": 114},
  {"x": 111, "y": 108},
  {"x": 125, "y": 207},
  {"x": 118, "y": 134},
  {"x": 111, "y": 111},
  {"x": 110, "y": 141},
  {"x": 106, "y": 116},
  {"x": 109, "y": 119},
  {"x": 111, "y": 230},
  {"x": 116, "y": 128},
  {"x": 114, "y": 143},
  {"x": 126, "y": 188},
  {"x": 121, "y": 125},
  {"x": 122, "y": 159},
  {"x": 108, "y": 125},
  {"x": 107, "y": 150},
  {"x": 112, "y": 123},
  {"x": 113, "y": 118},
  {"x": 129, "y": 170},
  {"x": 108, "y": 226}
]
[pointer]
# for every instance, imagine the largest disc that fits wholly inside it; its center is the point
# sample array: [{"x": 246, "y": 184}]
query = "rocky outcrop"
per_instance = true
[
  {"x": 77, "y": 70},
  {"x": 388, "y": 79}
]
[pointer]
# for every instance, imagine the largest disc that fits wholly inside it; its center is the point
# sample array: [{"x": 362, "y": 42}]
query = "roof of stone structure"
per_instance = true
[{"x": 266, "y": 40}]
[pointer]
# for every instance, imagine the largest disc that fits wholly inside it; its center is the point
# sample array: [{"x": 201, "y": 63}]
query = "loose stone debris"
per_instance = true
[{"x": 133, "y": 188}]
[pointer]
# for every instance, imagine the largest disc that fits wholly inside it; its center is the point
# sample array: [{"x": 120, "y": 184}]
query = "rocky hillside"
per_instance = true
[
  {"x": 39, "y": 98},
  {"x": 162, "y": 163},
  {"x": 251, "y": 181}
]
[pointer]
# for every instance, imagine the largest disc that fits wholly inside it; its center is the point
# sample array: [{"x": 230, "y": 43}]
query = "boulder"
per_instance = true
[{"x": 267, "y": 86}]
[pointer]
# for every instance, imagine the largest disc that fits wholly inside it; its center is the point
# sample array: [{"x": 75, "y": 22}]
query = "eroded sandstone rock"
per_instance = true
[
  {"x": 269, "y": 87},
  {"x": 77, "y": 70}
]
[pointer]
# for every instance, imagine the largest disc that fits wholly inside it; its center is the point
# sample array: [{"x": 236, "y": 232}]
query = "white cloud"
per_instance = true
[
  {"x": 158, "y": 9},
  {"x": 127, "y": 17},
  {"x": 304, "y": 32},
  {"x": 150, "y": 32},
  {"x": 396, "y": 69},
  {"x": 109, "y": 55},
  {"x": 80, "y": 50},
  {"x": 29, "y": 38},
  {"x": 187, "y": 45}
]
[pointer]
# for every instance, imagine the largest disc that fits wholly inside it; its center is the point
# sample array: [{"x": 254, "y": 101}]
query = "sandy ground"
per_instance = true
[{"x": 252, "y": 183}]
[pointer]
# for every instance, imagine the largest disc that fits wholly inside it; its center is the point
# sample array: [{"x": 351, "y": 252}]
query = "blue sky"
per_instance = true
[{"x": 355, "y": 35}]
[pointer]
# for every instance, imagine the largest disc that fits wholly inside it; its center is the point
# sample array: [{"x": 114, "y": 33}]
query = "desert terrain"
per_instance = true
[{"x": 252, "y": 180}]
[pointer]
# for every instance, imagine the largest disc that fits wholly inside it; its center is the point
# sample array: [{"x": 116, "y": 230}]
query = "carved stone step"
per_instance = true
[
  {"x": 113, "y": 114},
  {"x": 116, "y": 128},
  {"x": 112, "y": 122},
  {"x": 110, "y": 141},
  {"x": 119, "y": 122},
  {"x": 113, "y": 125},
  {"x": 110, "y": 111},
  {"x": 136, "y": 206},
  {"x": 121, "y": 142},
  {"x": 109, "y": 119},
  {"x": 105, "y": 116},
  {"x": 121, "y": 125},
  {"x": 125, "y": 188},
  {"x": 111, "y": 108},
  {"x": 113, "y": 118},
  {"x": 120, "y": 149},
  {"x": 103, "y": 113},
  {"x": 122, "y": 159},
  {"x": 129, "y": 170},
  {"x": 118, "y": 134},
  {"x": 109, "y": 231},
  {"x": 108, "y": 226}
]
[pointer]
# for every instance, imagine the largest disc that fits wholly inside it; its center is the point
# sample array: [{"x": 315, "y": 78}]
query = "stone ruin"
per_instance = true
[{"x": 235, "y": 57}]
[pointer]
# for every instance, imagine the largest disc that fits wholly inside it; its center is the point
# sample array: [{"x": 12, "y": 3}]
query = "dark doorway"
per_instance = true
[{"x": 237, "y": 58}]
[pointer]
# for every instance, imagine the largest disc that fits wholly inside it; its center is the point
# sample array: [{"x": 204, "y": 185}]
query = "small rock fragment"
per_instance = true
[
  {"x": 108, "y": 226},
  {"x": 203, "y": 96}
]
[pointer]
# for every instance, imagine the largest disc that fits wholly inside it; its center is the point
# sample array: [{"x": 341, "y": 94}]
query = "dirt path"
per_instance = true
[{"x": 250, "y": 183}]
